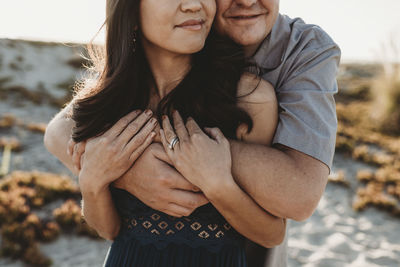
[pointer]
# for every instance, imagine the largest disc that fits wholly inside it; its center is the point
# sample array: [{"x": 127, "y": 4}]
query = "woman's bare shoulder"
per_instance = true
[
  {"x": 252, "y": 88},
  {"x": 257, "y": 97}
]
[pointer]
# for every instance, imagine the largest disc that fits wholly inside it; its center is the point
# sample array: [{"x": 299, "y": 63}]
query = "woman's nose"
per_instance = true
[{"x": 191, "y": 5}]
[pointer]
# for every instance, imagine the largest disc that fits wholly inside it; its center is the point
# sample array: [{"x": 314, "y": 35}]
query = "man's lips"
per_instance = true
[
  {"x": 245, "y": 16},
  {"x": 191, "y": 24}
]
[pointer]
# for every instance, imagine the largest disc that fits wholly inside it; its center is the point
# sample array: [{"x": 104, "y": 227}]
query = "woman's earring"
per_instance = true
[{"x": 134, "y": 41}]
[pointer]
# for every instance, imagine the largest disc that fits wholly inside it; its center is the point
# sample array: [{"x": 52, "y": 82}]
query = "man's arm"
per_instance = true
[
  {"x": 57, "y": 135},
  {"x": 292, "y": 182},
  {"x": 289, "y": 178}
]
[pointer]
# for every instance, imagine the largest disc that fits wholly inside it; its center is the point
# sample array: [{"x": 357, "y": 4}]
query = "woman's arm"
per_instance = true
[{"x": 119, "y": 147}]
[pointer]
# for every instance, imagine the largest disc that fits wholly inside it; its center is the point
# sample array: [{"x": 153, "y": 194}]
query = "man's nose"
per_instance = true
[
  {"x": 246, "y": 3},
  {"x": 191, "y": 5}
]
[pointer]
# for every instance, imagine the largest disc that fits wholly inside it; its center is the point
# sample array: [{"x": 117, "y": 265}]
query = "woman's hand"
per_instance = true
[
  {"x": 109, "y": 156},
  {"x": 204, "y": 161}
]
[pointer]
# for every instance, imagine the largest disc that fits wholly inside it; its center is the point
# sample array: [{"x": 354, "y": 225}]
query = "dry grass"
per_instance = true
[
  {"x": 37, "y": 97},
  {"x": 4, "y": 81},
  {"x": 21, "y": 194},
  {"x": 338, "y": 178},
  {"x": 36, "y": 127},
  {"x": 8, "y": 120},
  {"x": 373, "y": 194},
  {"x": 385, "y": 111},
  {"x": 367, "y": 132},
  {"x": 12, "y": 142}
]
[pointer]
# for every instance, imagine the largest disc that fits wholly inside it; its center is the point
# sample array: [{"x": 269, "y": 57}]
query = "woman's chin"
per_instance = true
[{"x": 190, "y": 48}]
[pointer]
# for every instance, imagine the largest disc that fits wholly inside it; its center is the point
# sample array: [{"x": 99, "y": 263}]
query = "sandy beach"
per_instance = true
[{"x": 36, "y": 79}]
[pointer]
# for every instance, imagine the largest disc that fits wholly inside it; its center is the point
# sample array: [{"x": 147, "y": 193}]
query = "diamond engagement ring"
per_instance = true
[{"x": 173, "y": 142}]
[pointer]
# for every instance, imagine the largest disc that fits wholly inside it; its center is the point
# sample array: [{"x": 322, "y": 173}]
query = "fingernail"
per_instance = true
[
  {"x": 164, "y": 117},
  {"x": 153, "y": 120},
  {"x": 135, "y": 112},
  {"x": 149, "y": 112}
]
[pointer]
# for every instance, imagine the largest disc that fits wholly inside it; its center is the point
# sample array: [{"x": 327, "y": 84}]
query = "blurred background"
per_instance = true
[{"x": 357, "y": 221}]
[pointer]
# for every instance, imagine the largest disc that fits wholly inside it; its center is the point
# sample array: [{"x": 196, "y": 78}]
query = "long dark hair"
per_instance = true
[{"x": 208, "y": 93}]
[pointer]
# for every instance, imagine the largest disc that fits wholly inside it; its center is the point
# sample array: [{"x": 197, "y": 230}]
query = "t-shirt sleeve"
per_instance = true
[{"x": 307, "y": 117}]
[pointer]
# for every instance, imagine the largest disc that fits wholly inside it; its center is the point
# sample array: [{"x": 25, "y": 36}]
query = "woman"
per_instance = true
[{"x": 152, "y": 61}]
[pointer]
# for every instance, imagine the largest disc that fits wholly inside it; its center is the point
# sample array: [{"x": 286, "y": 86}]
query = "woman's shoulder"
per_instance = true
[
  {"x": 252, "y": 88},
  {"x": 257, "y": 97}
]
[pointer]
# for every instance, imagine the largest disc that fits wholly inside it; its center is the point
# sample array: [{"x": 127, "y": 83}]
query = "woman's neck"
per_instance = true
[{"x": 168, "y": 68}]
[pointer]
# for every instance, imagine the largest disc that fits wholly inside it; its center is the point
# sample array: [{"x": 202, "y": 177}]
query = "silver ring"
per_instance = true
[{"x": 173, "y": 142}]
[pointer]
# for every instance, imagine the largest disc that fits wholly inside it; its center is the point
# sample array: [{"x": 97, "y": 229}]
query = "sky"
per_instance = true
[{"x": 363, "y": 29}]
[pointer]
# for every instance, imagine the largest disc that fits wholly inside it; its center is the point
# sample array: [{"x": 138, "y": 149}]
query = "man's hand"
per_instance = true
[
  {"x": 152, "y": 180},
  {"x": 75, "y": 151}
]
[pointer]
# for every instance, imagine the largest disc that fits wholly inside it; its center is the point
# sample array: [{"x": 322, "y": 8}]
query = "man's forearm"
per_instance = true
[
  {"x": 99, "y": 211},
  {"x": 276, "y": 180},
  {"x": 246, "y": 216}
]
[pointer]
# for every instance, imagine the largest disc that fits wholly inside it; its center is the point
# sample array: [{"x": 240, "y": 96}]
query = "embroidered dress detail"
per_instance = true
[{"x": 152, "y": 238}]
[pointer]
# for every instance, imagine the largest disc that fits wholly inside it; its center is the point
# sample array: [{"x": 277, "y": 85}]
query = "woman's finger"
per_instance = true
[
  {"x": 162, "y": 155},
  {"x": 180, "y": 127},
  {"x": 135, "y": 151},
  {"x": 134, "y": 126},
  {"x": 131, "y": 140},
  {"x": 120, "y": 125},
  {"x": 165, "y": 144},
  {"x": 215, "y": 134},
  {"x": 169, "y": 132},
  {"x": 192, "y": 126}
]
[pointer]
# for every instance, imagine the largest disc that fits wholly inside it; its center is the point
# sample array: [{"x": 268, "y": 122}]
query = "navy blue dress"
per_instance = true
[{"x": 149, "y": 238}]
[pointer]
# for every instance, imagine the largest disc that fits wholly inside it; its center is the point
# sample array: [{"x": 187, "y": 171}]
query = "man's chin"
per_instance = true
[{"x": 248, "y": 40}]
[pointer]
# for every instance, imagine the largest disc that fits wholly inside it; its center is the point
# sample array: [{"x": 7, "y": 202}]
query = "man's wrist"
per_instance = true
[
  {"x": 119, "y": 183},
  {"x": 214, "y": 191},
  {"x": 91, "y": 186}
]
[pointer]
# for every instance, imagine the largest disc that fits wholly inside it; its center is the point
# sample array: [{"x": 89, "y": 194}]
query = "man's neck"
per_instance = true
[{"x": 250, "y": 50}]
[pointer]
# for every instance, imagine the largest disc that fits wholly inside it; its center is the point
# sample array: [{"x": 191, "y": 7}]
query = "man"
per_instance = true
[{"x": 288, "y": 179}]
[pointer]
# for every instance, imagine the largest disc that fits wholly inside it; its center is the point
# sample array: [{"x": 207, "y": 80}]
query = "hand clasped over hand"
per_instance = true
[
  {"x": 151, "y": 179},
  {"x": 206, "y": 162},
  {"x": 160, "y": 186},
  {"x": 110, "y": 155}
]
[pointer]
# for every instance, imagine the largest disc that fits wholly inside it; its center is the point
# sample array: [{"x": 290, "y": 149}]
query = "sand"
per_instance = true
[{"x": 334, "y": 235}]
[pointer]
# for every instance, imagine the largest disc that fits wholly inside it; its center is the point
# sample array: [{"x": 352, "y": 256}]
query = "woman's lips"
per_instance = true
[{"x": 192, "y": 24}]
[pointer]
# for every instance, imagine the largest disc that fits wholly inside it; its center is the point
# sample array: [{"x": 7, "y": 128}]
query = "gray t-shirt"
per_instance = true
[{"x": 301, "y": 62}]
